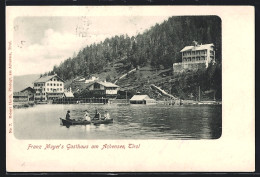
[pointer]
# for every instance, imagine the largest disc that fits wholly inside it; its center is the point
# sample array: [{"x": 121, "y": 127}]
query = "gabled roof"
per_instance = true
[
  {"x": 28, "y": 88},
  {"x": 106, "y": 84},
  {"x": 198, "y": 47},
  {"x": 68, "y": 94},
  {"x": 140, "y": 97},
  {"x": 46, "y": 78},
  {"x": 20, "y": 94}
]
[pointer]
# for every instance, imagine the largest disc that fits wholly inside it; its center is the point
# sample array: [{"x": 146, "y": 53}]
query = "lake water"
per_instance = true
[{"x": 130, "y": 122}]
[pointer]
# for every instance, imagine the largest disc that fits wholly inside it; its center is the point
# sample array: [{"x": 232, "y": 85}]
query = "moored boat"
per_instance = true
[
  {"x": 74, "y": 122},
  {"x": 100, "y": 121}
]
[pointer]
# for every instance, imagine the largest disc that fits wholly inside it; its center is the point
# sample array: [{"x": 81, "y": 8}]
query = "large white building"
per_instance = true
[
  {"x": 195, "y": 57},
  {"x": 48, "y": 87},
  {"x": 198, "y": 53}
]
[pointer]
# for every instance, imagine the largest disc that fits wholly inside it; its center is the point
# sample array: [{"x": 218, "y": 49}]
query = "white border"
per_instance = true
[{"x": 234, "y": 151}]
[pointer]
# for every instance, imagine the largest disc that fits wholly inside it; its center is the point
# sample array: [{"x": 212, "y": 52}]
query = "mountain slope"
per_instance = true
[{"x": 21, "y": 82}]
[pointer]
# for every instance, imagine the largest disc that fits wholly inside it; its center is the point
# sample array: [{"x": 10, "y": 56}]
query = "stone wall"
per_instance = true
[
  {"x": 181, "y": 67},
  {"x": 177, "y": 67}
]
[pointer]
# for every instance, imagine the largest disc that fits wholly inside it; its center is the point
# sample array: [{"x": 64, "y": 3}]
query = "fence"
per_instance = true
[{"x": 80, "y": 100}]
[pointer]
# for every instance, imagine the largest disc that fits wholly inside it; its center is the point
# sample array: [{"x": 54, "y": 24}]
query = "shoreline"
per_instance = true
[{"x": 18, "y": 105}]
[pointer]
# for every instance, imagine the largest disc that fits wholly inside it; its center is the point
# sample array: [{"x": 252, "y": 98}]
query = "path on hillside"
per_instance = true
[
  {"x": 163, "y": 92},
  {"x": 124, "y": 75}
]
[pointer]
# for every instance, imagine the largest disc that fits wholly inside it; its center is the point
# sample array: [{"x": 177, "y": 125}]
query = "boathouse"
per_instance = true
[
  {"x": 30, "y": 92},
  {"x": 20, "y": 97},
  {"x": 141, "y": 99}
]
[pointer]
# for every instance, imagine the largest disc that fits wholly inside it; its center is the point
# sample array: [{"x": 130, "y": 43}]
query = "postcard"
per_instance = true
[{"x": 130, "y": 89}]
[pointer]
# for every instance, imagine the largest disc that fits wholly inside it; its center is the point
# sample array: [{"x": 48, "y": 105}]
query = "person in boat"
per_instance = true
[
  {"x": 68, "y": 115},
  {"x": 106, "y": 116},
  {"x": 87, "y": 116},
  {"x": 97, "y": 115}
]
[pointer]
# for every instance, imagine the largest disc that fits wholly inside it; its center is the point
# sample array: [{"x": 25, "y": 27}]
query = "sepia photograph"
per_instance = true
[
  {"x": 129, "y": 88},
  {"x": 117, "y": 77}
]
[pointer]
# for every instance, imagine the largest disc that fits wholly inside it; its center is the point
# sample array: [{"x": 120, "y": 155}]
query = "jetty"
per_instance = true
[{"x": 80, "y": 101}]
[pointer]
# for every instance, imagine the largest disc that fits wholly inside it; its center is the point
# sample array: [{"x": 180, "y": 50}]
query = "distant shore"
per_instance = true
[{"x": 17, "y": 105}]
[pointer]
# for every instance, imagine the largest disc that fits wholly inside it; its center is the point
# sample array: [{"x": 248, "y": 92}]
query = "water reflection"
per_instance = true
[{"x": 130, "y": 122}]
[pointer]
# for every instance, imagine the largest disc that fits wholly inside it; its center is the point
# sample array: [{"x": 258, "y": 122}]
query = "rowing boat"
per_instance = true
[
  {"x": 74, "y": 122},
  {"x": 100, "y": 121}
]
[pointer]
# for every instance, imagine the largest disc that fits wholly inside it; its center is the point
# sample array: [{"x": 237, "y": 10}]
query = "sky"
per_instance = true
[{"x": 42, "y": 42}]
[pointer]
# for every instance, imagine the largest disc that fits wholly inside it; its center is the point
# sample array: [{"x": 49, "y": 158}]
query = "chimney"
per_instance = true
[{"x": 195, "y": 43}]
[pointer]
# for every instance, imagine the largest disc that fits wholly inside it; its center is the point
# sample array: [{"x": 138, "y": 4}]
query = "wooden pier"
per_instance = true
[{"x": 80, "y": 100}]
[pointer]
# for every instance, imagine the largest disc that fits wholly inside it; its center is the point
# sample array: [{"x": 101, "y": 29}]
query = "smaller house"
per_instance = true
[
  {"x": 20, "y": 97},
  {"x": 68, "y": 95},
  {"x": 103, "y": 89},
  {"x": 141, "y": 99},
  {"x": 30, "y": 92}
]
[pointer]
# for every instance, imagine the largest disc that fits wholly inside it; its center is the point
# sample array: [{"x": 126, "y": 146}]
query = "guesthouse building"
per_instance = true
[{"x": 48, "y": 88}]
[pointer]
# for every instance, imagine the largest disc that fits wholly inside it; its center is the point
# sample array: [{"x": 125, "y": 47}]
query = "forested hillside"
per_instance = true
[{"x": 158, "y": 47}]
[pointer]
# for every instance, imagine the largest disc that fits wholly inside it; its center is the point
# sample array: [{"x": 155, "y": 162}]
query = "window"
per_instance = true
[
  {"x": 96, "y": 86},
  {"x": 51, "y": 89},
  {"x": 51, "y": 84},
  {"x": 47, "y": 89},
  {"x": 60, "y": 84},
  {"x": 54, "y": 79},
  {"x": 54, "y": 84},
  {"x": 44, "y": 89},
  {"x": 47, "y": 84}
]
